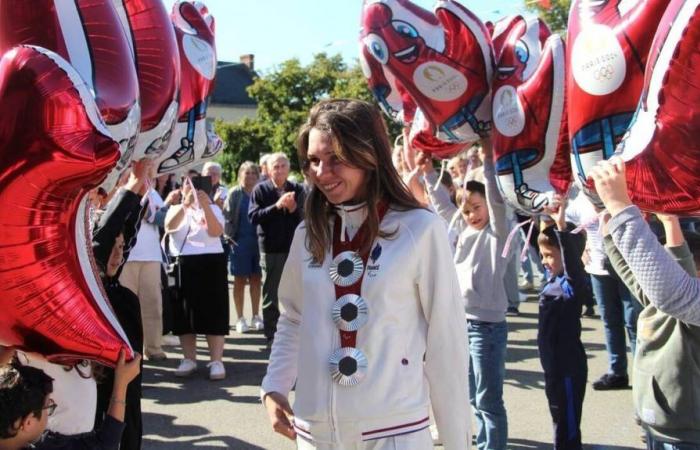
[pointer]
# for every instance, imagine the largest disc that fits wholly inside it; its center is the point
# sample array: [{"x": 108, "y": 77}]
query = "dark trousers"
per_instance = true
[
  {"x": 273, "y": 267},
  {"x": 565, "y": 368}
]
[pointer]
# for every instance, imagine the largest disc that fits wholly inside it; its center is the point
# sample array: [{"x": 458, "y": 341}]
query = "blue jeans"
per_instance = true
[
  {"x": 487, "y": 369},
  {"x": 619, "y": 311},
  {"x": 654, "y": 444}
]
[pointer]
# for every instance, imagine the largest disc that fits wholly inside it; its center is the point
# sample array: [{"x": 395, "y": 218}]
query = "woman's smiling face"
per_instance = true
[{"x": 339, "y": 182}]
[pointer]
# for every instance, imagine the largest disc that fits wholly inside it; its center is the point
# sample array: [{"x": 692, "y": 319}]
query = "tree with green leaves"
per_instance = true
[
  {"x": 554, "y": 12},
  {"x": 284, "y": 98}
]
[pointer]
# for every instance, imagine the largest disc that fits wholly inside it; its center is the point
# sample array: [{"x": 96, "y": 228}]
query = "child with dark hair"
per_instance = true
[
  {"x": 561, "y": 352},
  {"x": 26, "y": 404}
]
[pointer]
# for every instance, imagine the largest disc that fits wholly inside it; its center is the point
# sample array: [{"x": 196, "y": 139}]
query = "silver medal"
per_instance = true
[
  {"x": 346, "y": 269},
  {"x": 348, "y": 366},
  {"x": 350, "y": 312}
]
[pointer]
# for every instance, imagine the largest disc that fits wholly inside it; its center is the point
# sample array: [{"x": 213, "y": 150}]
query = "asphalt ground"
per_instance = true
[{"x": 196, "y": 413}]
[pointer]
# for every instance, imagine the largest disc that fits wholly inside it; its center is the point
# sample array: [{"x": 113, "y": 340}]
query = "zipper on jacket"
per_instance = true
[{"x": 331, "y": 410}]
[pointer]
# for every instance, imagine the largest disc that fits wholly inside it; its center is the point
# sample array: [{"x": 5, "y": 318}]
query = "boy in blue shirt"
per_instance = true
[{"x": 561, "y": 352}]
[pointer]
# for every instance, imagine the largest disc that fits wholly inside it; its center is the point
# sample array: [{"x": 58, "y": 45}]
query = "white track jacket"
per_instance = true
[{"x": 414, "y": 339}]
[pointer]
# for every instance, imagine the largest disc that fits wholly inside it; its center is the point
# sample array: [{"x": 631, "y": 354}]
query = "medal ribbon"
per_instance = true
[{"x": 349, "y": 338}]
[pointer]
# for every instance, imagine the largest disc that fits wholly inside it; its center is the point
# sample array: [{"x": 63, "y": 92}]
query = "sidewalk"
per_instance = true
[{"x": 198, "y": 413}]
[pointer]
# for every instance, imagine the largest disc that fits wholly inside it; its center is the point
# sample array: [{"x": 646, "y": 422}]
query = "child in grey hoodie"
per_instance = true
[{"x": 480, "y": 271}]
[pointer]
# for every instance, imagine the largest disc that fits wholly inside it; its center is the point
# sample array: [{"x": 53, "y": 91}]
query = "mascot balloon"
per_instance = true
[
  {"x": 529, "y": 138},
  {"x": 662, "y": 146},
  {"x": 194, "y": 30},
  {"x": 442, "y": 60},
  {"x": 609, "y": 42}
]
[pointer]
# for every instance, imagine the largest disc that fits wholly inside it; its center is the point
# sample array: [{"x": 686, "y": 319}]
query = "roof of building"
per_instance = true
[{"x": 232, "y": 79}]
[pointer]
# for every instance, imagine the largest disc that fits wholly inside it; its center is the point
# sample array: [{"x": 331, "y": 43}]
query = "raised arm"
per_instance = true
[
  {"x": 494, "y": 200},
  {"x": 666, "y": 285}
]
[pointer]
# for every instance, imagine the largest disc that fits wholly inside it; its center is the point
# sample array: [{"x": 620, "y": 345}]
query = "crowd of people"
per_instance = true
[{"x": 385, "y": 296}]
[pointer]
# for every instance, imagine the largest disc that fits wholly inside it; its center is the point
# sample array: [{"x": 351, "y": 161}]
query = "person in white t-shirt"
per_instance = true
[{"x": 195, "y": 227}]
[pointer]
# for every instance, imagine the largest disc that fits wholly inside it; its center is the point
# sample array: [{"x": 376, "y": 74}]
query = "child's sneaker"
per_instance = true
[{"x": 256, "y": 323}]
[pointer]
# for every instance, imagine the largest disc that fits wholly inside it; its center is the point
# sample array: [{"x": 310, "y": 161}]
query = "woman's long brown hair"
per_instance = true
[{"x": 360, "y": 138}]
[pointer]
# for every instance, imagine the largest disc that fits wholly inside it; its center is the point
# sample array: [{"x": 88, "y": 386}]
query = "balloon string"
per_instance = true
[
  {"x": 430, "y": 188},
  {"x": 511, "y": 235},
  {"x": 466, "y": 174},
  {"x": 523, "y": 253},
  {"x": 151, "y": 206},
  {"x": 188, "y": 180},
  {"x": 587, "y": 223}
]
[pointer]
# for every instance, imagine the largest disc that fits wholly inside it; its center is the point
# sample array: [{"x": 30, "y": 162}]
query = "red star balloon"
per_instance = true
[
  {"x": 530, "y": 138},
  {"x": 54, "y": 147},
  {"x": 194, "y": 31},
  {"x": 662, "y": 146},
  {"x": 608, "y": 43},
  {"x": 89, "y": 35}
]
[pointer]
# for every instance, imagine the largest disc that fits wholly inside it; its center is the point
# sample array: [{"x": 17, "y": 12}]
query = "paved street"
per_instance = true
[{"x": 198, "y": 413}]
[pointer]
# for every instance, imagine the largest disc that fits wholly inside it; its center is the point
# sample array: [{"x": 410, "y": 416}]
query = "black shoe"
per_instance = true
[
  {"x": 268, "y": 343},
  {"x": 589, "y": 312},
  {"x": 609, "y": 382},
  {"x": 512, "y": 311}
]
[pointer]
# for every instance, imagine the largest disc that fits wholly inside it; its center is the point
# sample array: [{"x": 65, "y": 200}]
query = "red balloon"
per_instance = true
[
  {"x": 444, "y": 60},
  {"x": 89, "y": 35},
  {"x": 194, "y": 31},
  {"x": 530, "y": 139},
  {"x": 54, "y": 147},
  {"x": 609, "y": 42},
  {"x": 662, "y": 146},
  {"x": 150, "y": 32}
]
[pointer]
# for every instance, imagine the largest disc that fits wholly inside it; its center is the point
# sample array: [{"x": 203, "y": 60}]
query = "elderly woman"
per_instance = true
[
  {"x": 245, "y": 255},
  {"x": 195, "y": 227},
  {"x": 372, "y": 333}
]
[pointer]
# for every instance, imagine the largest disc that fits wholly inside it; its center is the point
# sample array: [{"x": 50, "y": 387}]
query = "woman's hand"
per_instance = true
[
  {"x": 188, "y": 199},
  {"x": 280, "y": 414},
  {"x": 203, "y": 199},
  {"x": 173, "y": 198},
  {"x": 611, "y": 184}
]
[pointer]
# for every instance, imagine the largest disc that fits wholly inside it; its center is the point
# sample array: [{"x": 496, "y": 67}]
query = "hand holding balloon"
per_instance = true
[
  {"x": 611, "y": 184},
  {"x": 140, "y": 173}
]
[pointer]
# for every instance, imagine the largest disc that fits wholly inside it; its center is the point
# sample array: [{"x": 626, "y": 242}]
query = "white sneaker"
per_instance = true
[
  {"x": 216, "y": 370},
  {"x": 170, "y": 340},
  {"x": 256, "y": 323},
  {"x": 186, "y": 368},
  {"x": 242, "y": 326},
  {"x": 525, "y": 285},
  {"x": 435, "y": 435}
]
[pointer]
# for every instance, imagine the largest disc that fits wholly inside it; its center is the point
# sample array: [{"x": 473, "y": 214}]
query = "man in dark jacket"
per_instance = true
[{"x": 276, "y": 208}]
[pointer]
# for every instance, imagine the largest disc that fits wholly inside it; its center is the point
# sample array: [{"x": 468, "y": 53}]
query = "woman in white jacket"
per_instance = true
[{"x": 372, "y": 331}]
